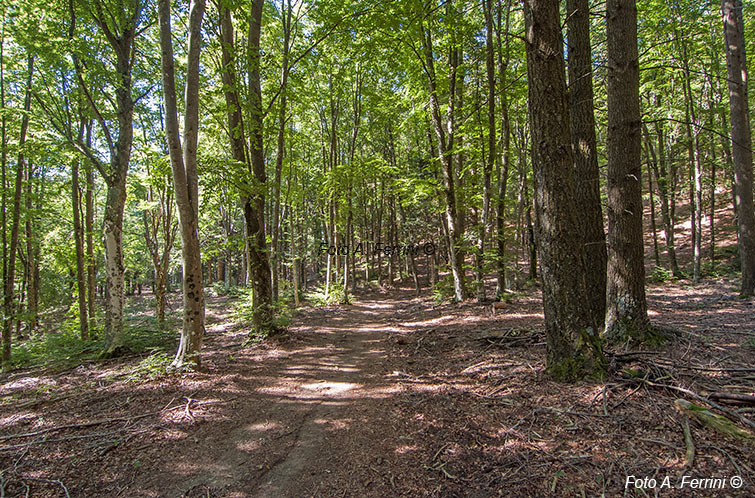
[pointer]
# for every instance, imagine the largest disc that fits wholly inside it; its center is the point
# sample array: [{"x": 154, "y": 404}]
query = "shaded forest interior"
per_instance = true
[{"x": 537, "y": 213}]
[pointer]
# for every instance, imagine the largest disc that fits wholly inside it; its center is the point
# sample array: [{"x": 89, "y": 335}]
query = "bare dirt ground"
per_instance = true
[{"x": 389, "y": 396}]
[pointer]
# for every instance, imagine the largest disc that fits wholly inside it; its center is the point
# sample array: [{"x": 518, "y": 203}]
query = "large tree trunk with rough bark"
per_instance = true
[
  {"x": 573, "y": 343},
  {"x": 587, "y": 186},
  {"x": 626, "y": 307},
  {"x": 741, "y": 137},
  {"x": 183, "y": 159}
]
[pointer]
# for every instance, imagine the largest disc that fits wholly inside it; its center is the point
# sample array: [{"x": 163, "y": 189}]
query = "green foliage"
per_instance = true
[
  {"x": 357, "y": 135},
  {"x": 222, "y": 289},
  {"x": 64, "y": 348},
  {"x": 661, "y": 274},
  {"x": 144, "y": 334},
  {"x": 243, "y": 309},
  {"x": 55, "y": 349},
  {"x": 444, "y": 289},
  {"x": 153, "y": 366},
  {"x": 317, "y": 296}
]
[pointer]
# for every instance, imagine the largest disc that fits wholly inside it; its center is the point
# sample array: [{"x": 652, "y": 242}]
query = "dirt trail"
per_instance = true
[{"x": 310, "y": 402}]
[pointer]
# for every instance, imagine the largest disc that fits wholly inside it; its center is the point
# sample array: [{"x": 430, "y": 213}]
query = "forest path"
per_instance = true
[{"x": 313, "y": 402}]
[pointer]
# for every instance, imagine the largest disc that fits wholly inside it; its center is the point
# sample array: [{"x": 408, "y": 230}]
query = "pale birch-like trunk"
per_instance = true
[
  {"x": 183, "y": 159},
  {"x": 444, "y": 155}
]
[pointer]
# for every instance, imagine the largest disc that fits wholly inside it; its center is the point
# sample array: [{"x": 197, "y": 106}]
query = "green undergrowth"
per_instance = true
[
  {"x": 317, "y": 296},
  {"x": 242, "y": 310},
  {"x": 153, "y": 366},
  {"x": 443, "y": 290},
  {"x": 63, "y": 348},
  {"x": 661, "y": 274},
  {"x": 221, "y": 289}
]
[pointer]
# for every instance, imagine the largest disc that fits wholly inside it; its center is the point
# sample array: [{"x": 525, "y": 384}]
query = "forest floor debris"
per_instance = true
[{"x": 393, "y": 396}]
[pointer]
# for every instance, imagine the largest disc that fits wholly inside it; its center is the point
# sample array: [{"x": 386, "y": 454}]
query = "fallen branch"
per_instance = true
[
  {"x": 578, "y": 414},
  {"x": 49, "y": 481},
  {"x": 630, "y": 354},
  {"x": 747, "y": 399},
  {"x": 622, "y": 400},
  {"x": 668, "y": 364},
  {"x": 108, "y": 420},
  {"x": 690, "y": 455},
  {"x": 707, "y": 417},
  {"x": 33, "y": 402},
  {"x": 68, "y": 438},
  {"x": 718, "y": 407}
]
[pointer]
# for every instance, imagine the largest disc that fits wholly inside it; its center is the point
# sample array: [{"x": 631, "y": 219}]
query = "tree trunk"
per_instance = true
[
  {"x": 449, "y": 175},
  {"x": 4, "y": 185},
  {"x": 500, "y": 219},
  {"x": 78, "y": 236},
  {"x": 254, "y": 205},
  {"x": 490, "y": 159},
  {"x": 160, "y": 295},
  {"x": 295, "y": 260},
  {"x": 741, "y": 138},
  {"x": 712, "y": 207},
  {"x": 275, "y": 259},
  {"x": 626, "y": 307},
  {"x": 652, "y": 165},
  {"x": 349, "y": 278},
  {"x": 32, "y": 256},
  {"x": 183, "y": 160},
  {"x": 696, "y": 170},
  {"x": 587, "y": 187},
  {"x": 667, "y": 208},
  {"x": 572, "y": 341},
  {"x": 89, "y": 227},
  {"x": 158, "y": 223},
  {"x": 116, "y": 185},
  {"x": 114, "y": 268},
  {"x": 9, "y": 283}
]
